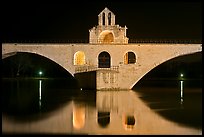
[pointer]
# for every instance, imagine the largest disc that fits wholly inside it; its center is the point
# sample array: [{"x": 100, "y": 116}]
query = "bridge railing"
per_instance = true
[{"x": 88, "y": 68}]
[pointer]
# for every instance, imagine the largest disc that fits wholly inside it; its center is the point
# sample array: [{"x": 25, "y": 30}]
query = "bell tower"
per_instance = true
[
  {"x": 106, "y": 17},
  {"x": 106, "y": 32}
]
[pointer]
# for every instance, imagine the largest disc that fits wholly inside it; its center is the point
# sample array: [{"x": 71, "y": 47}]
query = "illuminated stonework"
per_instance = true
[
  {"x": 147, "y": 55},
  {"x": 107, "y": 32},
  {"x": 79, "y": 58}
]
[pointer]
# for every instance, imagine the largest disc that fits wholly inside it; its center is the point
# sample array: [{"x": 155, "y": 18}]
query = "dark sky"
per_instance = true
[{"x": 72, "y": 20}]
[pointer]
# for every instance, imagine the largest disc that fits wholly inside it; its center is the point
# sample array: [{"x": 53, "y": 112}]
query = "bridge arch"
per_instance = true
[
  {"x": 130, "y": 57},
  {"x": 106, "y": 37},
  {"x": 79, "y": 58},
  {"x": 9, "y": 54},
  {"x": 104, "y": 60},
  {"x": 156, "y": 64}
]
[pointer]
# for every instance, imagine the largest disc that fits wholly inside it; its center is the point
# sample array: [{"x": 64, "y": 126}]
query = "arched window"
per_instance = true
[
  {"x": 103, "y": 119},
  {"x": 109, "y": 18},
  {"x": 129, "y": 58},
  {"x": 79, "y": 58},
  {"x": 104, "y": 60},
  {"x": 103, "y": 18}
]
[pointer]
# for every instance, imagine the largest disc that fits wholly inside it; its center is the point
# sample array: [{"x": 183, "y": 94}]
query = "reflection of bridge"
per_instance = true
[
  {"x": 115, "y": 63},
  {"x": 122, "y": 112}
]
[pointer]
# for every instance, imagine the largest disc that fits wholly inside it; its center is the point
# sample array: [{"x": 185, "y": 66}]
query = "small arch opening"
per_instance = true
[
  {"x": 79, "y": 58},
  {"x": 106, "y": 37},
  {"x": 109, "y": 18},
  {"x": 129, "y": 58},
  {"x": 103, "y": 19},
  {"x": 104, "y": 60}
]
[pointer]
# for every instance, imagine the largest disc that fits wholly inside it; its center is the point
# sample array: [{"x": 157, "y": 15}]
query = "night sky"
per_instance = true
[{"x": 71, "y": 21}]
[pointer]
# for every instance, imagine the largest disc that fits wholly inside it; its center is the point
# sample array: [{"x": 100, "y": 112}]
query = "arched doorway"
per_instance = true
[
  {"x": 129, "y": 58},
  {"x": 104, "y": 60},
  {"x": 79, "y": 58}
]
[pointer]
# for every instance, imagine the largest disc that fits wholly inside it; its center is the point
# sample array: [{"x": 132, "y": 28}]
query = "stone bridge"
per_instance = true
[
  {"x": 122, "y": 67},
  {"x": 108, "y": 61}
]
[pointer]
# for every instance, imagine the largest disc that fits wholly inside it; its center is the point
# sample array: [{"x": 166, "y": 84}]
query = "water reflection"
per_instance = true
[
  {"x": 129, "y": 122},
  {"x": 168, "y": 101},
  {"x": 102, "y": 112},
  {"x": 103, "y": 119},
  {"x": 181, "y": 85},
  {"x": 24, "y": 98},
  {"x": 78, "y": 115},
  {"x": 40, "y": 90}
]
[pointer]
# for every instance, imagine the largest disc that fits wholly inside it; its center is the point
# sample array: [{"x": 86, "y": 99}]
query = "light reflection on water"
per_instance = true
[
  {"x": 40, "y": 90},
  {"x": 96, "y": 112}
]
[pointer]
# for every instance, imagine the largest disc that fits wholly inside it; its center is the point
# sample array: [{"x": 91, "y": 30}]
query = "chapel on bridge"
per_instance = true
[{"x": 106, "y": 32}]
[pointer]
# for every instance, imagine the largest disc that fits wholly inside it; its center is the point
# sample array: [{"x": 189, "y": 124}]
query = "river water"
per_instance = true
[{"x": 57, "y": 106}]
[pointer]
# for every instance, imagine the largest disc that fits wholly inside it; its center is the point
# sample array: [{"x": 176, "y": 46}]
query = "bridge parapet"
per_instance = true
[{"x": 88, "y": 68}]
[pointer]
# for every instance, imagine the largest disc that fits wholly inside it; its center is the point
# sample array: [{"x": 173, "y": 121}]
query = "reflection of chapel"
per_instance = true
[{"x": 107, "y": 32}]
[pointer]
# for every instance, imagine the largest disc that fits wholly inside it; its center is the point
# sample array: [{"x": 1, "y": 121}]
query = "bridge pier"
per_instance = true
[
  {"x": 86, "y": 80},
  {"x": 92, "y": 77},
  {"x": 99, "y": 80},
  {"x": 107, "y": 80}
]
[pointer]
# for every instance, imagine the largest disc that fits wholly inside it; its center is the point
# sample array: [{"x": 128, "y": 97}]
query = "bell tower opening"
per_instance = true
[
  {"x": 109, "y": 18},
  {"x": 103, "y": 20}
]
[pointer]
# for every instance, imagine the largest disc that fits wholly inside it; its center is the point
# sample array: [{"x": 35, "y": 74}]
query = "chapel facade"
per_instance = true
[{"x": 107, "y": 32}]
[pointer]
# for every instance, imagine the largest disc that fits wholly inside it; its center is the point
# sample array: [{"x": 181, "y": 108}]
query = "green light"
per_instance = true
[
  {"x": 181, "y": 74},
  {"x": 40, "y": 73}
]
